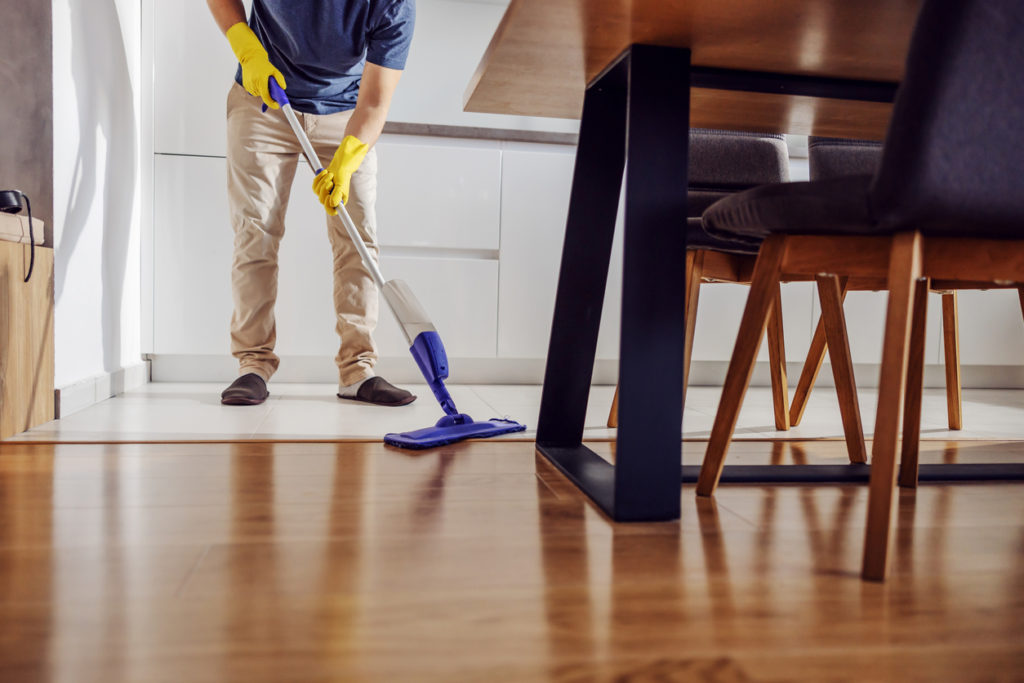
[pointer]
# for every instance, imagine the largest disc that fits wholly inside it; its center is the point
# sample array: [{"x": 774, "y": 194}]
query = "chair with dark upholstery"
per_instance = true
[
  {"x": 834, "y": 158},
  {"x": 723, "y": 163},
  {"x": 945, "y": 209}
]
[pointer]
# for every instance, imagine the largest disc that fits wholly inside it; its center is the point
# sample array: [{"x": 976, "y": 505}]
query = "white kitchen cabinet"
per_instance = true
[
  {"x": 192, "y": 275},
  {"x": 193, "y": 69},
  {"x": 438, "y": 194},
  {"x": 459, "y": 295},
  {"x": 536, "y": 181},
  {"x": 865, "y": 322},
  {"x": 720, "y": 307},
  {"x": 486, "y": 266},
  {"x": 192, "y": 256},
  {"x": 449, "y": 42},
  {"x": 991, "y": 328}
]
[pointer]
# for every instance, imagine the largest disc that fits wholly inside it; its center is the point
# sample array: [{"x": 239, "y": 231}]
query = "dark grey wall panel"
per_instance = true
[{"x": 26, "y": 104}]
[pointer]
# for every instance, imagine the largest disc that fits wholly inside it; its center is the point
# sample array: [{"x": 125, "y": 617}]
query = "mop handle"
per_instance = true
[{"x": 278, "y": 95}]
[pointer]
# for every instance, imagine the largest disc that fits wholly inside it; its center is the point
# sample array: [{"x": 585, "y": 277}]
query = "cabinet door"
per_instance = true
[
  {"x": 451, "y": 38},
  {"x": 192, "y": 256},
  {"x": 193, "y": 68},
  {"x": 865, "y": 321},
  {"x": 438, "y": 193},
  {"x": 459, "y": 295},
  {"x": 192, "y": 275},
  {"x": 991, "y": 328},
  {"x": 536, "y": 181},
  {"x": 720, "y": 307}
]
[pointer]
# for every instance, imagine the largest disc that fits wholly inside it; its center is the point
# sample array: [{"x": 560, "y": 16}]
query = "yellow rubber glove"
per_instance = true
[
  {"x": 256, "y": 66},
  {"x": 331, "y": 184}
]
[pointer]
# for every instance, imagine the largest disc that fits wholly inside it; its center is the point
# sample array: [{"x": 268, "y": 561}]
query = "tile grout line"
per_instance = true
[
  {"x": 266, "y": 416},
  {"x": 192, "y": 570},
  {"x": 546, "y": 485},
  {"x": 737, "y": 515},
  {"x": 472, "y": 389}
]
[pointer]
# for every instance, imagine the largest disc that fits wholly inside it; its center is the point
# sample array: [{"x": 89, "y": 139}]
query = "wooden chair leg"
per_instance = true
[
  {"x": 951, "y": 347},
  {"x": 613, "y": 414},
  {"x": 830, "y": 293},
  {"x": 1020, "y": 293},
  {"x": 915, "y": 386},
  {"x": 694, "y": 274},
  {"x": 812, "y": 366},
  {"x": 763, "y": 290},
  {"x": 777, "y": 361},
  {"x": 904, "y": 269}
]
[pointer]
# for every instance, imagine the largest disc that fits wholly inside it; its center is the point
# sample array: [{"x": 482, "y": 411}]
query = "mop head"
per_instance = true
[{"x": 452, "y": 428}]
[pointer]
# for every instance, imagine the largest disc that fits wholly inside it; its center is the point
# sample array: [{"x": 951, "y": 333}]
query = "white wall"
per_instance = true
[{"x": 97, "y": 157}]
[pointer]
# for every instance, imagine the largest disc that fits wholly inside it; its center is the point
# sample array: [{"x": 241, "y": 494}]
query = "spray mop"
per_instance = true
[{"x": 424, "y": 341}]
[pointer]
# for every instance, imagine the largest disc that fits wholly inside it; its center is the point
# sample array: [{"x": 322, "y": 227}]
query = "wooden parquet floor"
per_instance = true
[{"x": 479, "y": 562}]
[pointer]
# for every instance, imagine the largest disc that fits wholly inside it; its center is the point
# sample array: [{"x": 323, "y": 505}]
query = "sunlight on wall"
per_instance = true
[{"x": 96, "y": 69}]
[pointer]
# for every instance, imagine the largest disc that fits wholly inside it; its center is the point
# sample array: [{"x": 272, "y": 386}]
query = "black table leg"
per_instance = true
[{"x": 637, "y": 110}]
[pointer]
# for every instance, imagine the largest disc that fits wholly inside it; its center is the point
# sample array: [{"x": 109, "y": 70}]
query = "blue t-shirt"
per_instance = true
[{"x": 321, "y": 45}]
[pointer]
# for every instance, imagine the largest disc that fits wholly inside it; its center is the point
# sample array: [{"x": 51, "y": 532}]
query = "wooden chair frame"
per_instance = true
[
  {"x": 909, "y": 264},
  {"x": 707, "y": 266},
  {"x": 951, "y": 345}
]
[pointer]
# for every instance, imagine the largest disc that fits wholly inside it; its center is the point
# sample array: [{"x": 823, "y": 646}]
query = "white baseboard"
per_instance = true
[
  {"x": 712, "y": 373},
  {"x": 321, "y": 370},
  {"x": 75, "y": 397}
]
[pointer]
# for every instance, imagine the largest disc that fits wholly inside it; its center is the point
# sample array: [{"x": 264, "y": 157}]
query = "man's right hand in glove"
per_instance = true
[{"x": 256, "y": 66}]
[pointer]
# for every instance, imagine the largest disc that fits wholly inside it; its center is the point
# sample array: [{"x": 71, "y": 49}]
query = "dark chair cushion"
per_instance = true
[
  {"x": 698, "y": 238},
  {"x": 731, "y": 160},
  {"x": 834, "y": 206},
  {"x": 697, "y": 201},
  {"x": 722, "y": 162},
  {"x": 837, "y": 157}
]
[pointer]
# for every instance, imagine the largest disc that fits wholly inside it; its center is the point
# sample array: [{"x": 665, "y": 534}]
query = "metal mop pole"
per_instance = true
[{"x": 314, "y": 164}]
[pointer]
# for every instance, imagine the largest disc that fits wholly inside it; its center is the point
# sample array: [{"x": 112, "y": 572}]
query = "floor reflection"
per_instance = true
[
  {"x": 27, "y": 562},
  {"x": 797, "y": 559},
  {"x": 355, "y": 561}
]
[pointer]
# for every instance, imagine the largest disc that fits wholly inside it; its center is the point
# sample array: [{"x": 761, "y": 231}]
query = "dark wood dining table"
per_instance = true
[{"x": 639, "y": 74}]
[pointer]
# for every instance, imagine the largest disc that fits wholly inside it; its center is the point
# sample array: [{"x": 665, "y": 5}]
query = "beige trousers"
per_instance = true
[{"x": 262, "y": 157}]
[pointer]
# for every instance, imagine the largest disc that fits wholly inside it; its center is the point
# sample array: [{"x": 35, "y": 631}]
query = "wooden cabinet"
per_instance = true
[{"x": 26, "y": 339}]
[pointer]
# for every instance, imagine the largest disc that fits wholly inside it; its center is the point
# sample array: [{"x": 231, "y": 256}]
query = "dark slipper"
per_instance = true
[
  {"x": 247, "y": 390},
  {"x": 380, "y": 392}
]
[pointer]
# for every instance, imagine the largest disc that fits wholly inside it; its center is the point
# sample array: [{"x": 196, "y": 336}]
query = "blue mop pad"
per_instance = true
[
  {"x": 452, "y": 428},
  {"x": 428, "y": 351}
]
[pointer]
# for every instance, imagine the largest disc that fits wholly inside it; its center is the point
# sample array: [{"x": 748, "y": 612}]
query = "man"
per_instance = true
[{"x": 339, "y": 61}]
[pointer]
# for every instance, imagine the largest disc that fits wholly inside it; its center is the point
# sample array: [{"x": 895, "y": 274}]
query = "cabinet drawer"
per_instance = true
[
  {"x": 192, "y": 245},
  {"x": 534, "y": 207},
  {"x": 438, "y": 196},
  {"x": 459, "y": 295},
  {"x": 192, "y": 275}
]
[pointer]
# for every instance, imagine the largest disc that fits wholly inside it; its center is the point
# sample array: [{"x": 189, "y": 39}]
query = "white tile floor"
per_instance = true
[{"x": 187, "y": 412}]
